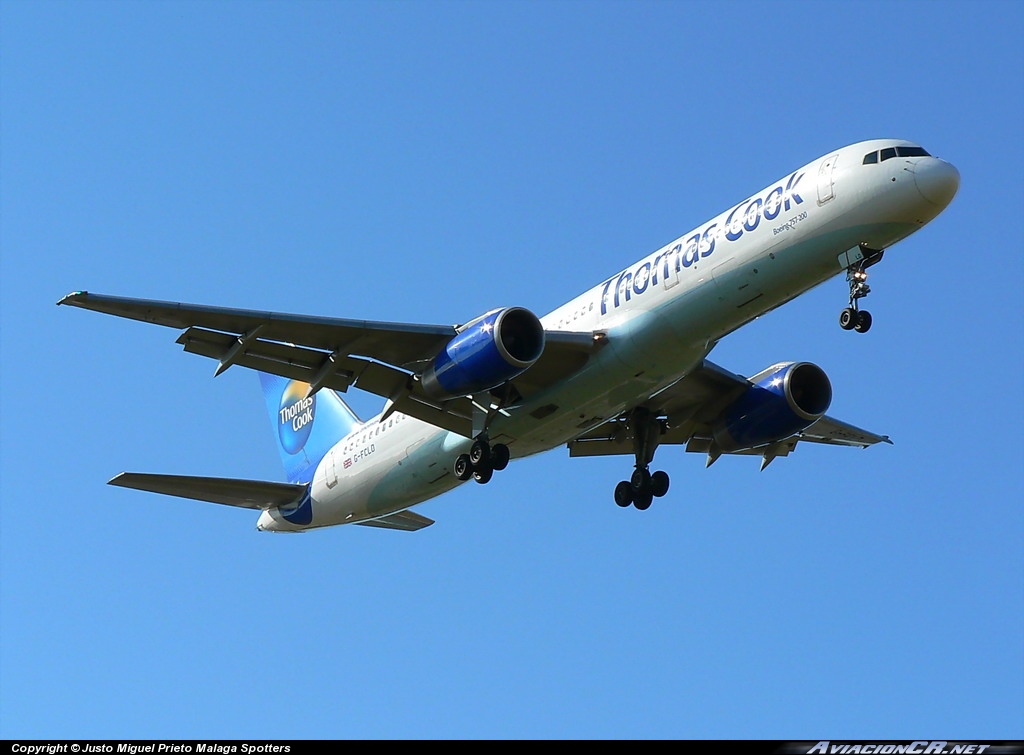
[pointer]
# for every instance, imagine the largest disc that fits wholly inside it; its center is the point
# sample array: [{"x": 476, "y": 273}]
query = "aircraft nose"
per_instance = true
[{"x": 937, "y": 180}]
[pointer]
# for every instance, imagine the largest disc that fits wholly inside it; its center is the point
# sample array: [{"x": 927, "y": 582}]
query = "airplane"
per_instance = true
[{"x": 621, "y": 369}]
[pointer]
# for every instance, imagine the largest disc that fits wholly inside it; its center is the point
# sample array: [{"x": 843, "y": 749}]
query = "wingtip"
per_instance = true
[{"x": 73, "y": 297}]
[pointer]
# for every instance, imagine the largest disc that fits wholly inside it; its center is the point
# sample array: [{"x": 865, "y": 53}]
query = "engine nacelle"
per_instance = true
[
  {"x": 784, "y": 399},
  {"x": 486, "y": 352}
]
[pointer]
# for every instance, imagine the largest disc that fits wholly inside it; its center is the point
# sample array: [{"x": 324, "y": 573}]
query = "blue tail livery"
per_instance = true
[{"x": 306, "y": 428}]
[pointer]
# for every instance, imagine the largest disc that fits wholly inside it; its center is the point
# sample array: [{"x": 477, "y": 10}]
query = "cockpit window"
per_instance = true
[{"x": 872, "y": 157}]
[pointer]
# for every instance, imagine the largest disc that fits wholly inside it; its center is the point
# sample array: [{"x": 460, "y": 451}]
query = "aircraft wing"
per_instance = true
[
  {"x": 834, "y": 432},
  {"x": 691, "y": 406},
  {"x": 378, "y": 357}
]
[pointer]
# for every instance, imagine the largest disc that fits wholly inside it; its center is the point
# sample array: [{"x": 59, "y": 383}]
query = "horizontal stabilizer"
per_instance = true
[
  {"x": 403, "y": 520},
  {"x": 247, "y": 494}
]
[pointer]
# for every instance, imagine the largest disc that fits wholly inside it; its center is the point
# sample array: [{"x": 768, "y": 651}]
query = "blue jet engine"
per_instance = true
[
  {"x": 783, "y": 400},
  {"x": 487, "y": 352}
]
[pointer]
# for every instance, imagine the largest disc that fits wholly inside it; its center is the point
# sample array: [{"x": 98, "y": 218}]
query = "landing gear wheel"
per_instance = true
[
  {"x": 863, "y": 323},
  {"x": 499, "y": 456},
  {"x": 642, "y": 499},
  {"x": 463, "y": 467},
  {"x": 624, "y": 494},
  {"x": 483, "y": 475},
  {"x": 640, "y": 482},
  {"x": 479, "y": 452},
  {"x": 848, "y": 318},
  {"x": 641, "y": 479},
  {"x": 659, "y": 484}
]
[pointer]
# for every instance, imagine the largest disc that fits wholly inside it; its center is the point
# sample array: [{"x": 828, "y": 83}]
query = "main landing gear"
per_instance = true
[
  {"x": 854, "y": 318},
  {"x": 482, "y": 461},
  {"x": 643, "y": 486}
]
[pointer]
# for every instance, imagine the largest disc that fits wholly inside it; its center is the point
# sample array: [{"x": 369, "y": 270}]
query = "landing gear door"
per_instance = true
[
  {"x": 825, "y": 178},
  {"x": 850, "y": 257}
]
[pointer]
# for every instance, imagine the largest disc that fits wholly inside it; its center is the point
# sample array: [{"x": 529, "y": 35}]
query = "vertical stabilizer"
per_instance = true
[{"x": 305, "y": 428}]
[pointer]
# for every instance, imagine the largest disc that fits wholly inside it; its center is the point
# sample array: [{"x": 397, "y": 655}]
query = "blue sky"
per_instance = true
[{"x": 426, "y": 162}]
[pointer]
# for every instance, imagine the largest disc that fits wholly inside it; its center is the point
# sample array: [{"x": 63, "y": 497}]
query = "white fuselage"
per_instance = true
[{"x": 662, "y": 316}]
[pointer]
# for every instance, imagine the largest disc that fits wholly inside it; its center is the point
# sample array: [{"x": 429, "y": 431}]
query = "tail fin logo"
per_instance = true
[
  {"x": 307, "y": 427},
  {"x": 295, "y": 416}
]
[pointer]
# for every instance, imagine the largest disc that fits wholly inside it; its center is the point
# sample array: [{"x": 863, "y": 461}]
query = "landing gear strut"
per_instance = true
[
  {"x": 482, "y": 461},
  {"x": 854, "y": 318},
  {"x": 643, "y": 486}
]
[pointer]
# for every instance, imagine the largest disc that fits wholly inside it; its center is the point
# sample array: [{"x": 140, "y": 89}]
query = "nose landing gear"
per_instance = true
[{"x": 854, "y": 318}]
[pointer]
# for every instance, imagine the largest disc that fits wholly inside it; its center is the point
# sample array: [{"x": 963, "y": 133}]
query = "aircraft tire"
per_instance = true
[
  {"x": 848, "y": 318},
  {"x": 479, "y": 453},
  {"x": 463, "y": 467},
  {"x": 659, "y": 483},
  {"x": 642, "y": 499},
  {"x": 483, "y": 475},
  {"x": 499, "y": 456},
  {"x": 641, "y": 479},
  {"x": 863, "y": 323},
  {"x": 624, "y": 494}
]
